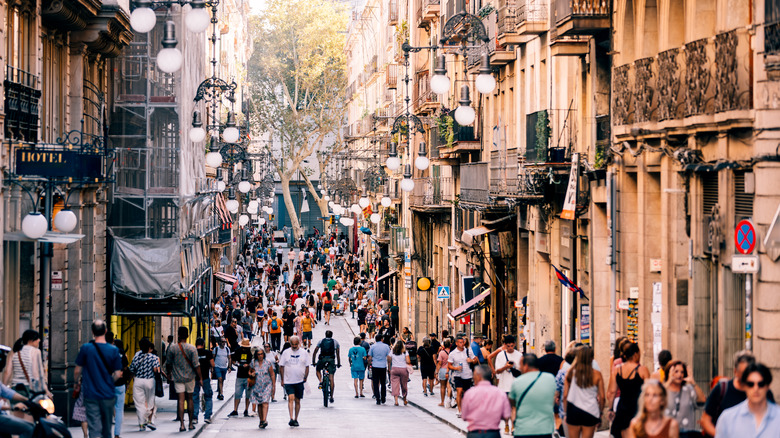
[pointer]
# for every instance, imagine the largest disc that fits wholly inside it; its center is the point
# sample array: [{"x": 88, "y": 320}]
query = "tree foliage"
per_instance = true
[{"x": 297, "y": 76}]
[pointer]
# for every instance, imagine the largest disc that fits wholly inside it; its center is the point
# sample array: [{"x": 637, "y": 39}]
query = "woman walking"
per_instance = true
[
  {"x": 397, "y": 361},
  {"x": 628, "y": 377},
  {"x": 262, "y": 389},
  {"x": 650, "y": 422},
  {"x": 684, "y": 395},
  {"x": 442, "y": 371},
  {"x": 583, "y": 393},
  {"x": 371, "y": 320},
  {"x": 327, "y": 305},
  {"x": 120, "y": 388},
  {"x": 144, "y": 365},
  {"x": 426, "y": 359}
]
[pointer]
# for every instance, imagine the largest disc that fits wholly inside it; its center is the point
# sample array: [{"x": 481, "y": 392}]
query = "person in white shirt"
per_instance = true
[
  {"x": 294, "y": 369},
  {"x": 459, "y": 364},
  {"x": 503, "y": 361}
]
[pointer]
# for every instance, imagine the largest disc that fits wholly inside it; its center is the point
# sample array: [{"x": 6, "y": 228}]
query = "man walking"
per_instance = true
[
  {"x": 242, "y": 359},
  {"x": 484, "y": 406},
  {"x": 206, "y": 361},
  {"x": 222, "y": 363},
  {"x": 460, "y": 361},
  {"x": 98, "y": 366},
  {"x": 550, "y": 362},
  {"x": 183, "y": 368},
  {"x": 377, "y": 360},
  {"x": 532, "y": 398},
  {"x": 294, "y": 371},
  {"x": 275, "y": 329}
]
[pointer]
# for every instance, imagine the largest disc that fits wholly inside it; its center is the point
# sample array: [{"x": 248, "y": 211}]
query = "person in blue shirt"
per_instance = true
[
  {"x": 98, "y": 366},
  {"x": 377, "y": 359},
  {"x": 357, "y": 364},
  {"x": 9, "y": 424},
  {"x": 755, "y": 417}
]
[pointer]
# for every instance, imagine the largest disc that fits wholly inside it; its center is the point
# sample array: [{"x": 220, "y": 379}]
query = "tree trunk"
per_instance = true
[
  {"x": 291, "y": 211},
  {"x": 321, "y": 203}
]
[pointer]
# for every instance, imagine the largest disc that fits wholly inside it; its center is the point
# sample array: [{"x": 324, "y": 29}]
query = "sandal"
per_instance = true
[{"x": 182, "y": 429}]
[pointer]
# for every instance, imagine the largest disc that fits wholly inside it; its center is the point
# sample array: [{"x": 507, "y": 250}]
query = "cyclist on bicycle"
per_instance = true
[{"x": 330, "y": 357}]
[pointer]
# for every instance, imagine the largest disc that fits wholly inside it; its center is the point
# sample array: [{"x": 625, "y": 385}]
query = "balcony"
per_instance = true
[
  {"x": 432, "y": 194},
  {"x": 391, "y": 76},
  {"x": 474, "y": 183},
  {"x": 399, "y": 242},
  {"x": 22, "y": 97},
  {"x": 531, "y": 17},
  {"x": 704, "y": 82},
  {"x": 581, "y": 17},
  {"x": 427, "y": 12},
  {"x": 392, "y": 13},
  {"x": 507, "y": 25},
  {"x": 464, "y": 140},
  {"x": 503, "y": 172},
  {"x": 424, "y": 101}
]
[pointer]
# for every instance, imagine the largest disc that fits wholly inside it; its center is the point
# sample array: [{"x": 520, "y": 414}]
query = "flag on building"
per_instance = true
[{"x": 568, "y": 283}]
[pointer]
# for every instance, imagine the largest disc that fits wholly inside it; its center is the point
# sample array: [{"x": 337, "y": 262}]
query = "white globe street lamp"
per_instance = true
[
  {"x": 65, "y": 220},
  {"x": 375, "y": 218},
  {"x": 422, "y": 161},
  {"x": 407, "y": 184},
  {"x": 244, "y": 187},
  {"x": 243, "y": 220},
  {"x": 364, "y": 202},
  {"x": 34, "y": 225},
  {"x": 393, "y": 162},
  {"x": 232, "y": 205},
  {"x": 143, "y": 19},
  {"x": 169, "y": 59},
  {"x": 198, "y": 19},
  {"x": 221, "y": 186},
  {"x": 386, "y": 201},
  {"x": 213, "y": 159},
  {"x": 485, "y": 82},
  {"x": 465, "y": 114},
  {"x": 231, "y": 133},
  {"x": 440, "y": 82},
  {"x": 355, "y": 208}
]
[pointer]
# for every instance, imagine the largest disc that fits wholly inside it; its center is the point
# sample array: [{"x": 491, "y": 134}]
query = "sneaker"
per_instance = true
[
  {"x": 295, "y": 423},
  {"x": 207, "y": 420},
  {"x": 246, "y": 413},
  {"x": 195, "y": 421},
  {"x": 233, "y": 414},
  {"x": 331, "y": 399},
  {"x": 291, "y": 423},
  {"x": 458, "y": 415},
  {"x": 151, "y": 426},
  {"x": 319, "y": 386},
  {"x": 141, "y": 428},
  {"x": 425, "y": 393},
  {"x": 220, "y": 397}
]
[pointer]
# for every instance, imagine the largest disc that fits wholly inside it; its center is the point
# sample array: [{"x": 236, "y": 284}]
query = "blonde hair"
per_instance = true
[{"x": 641, "y": 416}]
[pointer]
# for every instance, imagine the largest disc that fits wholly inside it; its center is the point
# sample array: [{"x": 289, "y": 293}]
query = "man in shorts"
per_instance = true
[
  {"x": 242, "y": 358},
  {"x": 330, "y": 357},
  {"x": 222, "y": 363},
  {"x": 307, "y": 325},
  {"x": 460, "y": 360},
  {"x": 181, "y": 361},
  {"x": 294, "y": 371}
]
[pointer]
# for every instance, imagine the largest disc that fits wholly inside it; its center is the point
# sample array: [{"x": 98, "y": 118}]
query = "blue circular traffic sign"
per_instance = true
[{"x": 745, "y": 237}]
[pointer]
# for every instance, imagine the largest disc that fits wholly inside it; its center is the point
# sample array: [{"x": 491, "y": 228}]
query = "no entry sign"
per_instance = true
[{"x": 745, "y": 237}]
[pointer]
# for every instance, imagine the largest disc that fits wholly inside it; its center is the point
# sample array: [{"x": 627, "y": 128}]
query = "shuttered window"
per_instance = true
[
  {"x": 709, "y": 186},
  {"x": 743, "y": 202}
]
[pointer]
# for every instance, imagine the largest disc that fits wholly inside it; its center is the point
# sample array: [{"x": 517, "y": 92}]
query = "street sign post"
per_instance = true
[
  {"x": 745, "y": 243},
  {"x": 442, "y": 292}
]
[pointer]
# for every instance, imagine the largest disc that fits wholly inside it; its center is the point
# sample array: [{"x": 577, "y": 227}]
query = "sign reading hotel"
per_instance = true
[{"x": 58, "y": 163}]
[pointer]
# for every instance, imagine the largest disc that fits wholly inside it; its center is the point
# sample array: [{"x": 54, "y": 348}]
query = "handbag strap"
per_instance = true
[
  {"x": 24, "y": 369},
  {"x": 186, "y": 358},
  {"x": 102, "y": 358},
  {"x": 522, "y": 396}
]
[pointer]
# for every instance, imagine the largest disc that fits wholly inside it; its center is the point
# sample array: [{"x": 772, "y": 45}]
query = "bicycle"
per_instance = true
[{"x": 326, "y": 392}]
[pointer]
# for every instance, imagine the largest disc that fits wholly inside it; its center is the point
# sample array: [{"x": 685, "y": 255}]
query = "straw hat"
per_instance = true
[{"x": 245, "y": 342}]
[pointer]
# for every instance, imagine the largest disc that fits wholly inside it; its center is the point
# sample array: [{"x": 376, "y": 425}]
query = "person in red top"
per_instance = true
[
  {"x": 327, "y": 305},
  {"x": 293, "y": 298}
]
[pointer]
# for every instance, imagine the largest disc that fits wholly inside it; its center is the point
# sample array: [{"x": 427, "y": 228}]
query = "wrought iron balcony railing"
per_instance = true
[
  {"x": 22, "y": 97},
  {"x": 474, "y": 183}
]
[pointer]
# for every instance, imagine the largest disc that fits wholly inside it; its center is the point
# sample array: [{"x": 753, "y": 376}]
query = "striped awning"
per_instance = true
[
  {"x": 227, "y": 278},
  {"x": 469, "y": 307}
]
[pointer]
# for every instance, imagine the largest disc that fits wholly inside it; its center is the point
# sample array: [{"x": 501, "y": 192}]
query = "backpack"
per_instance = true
[
  {"x": 274, "y": 324},
  {"x": 328, "y": 347}
]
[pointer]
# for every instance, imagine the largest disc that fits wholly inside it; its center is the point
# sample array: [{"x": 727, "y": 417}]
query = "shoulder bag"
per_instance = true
[
  {"x": 522, "y": 396},
  {"x": 103, "y": 359},
  {"x": 187, "y": 358},
  {"x": 515, "y": 372}
]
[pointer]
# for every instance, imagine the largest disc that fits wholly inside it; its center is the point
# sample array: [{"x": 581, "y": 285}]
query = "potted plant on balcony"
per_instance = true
[{"x": 542, "y": 136}]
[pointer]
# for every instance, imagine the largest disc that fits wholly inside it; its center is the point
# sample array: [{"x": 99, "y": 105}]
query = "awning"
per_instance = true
[
  {"x": 227, "y": 278},
  {"x": 468, "y": 236},
  {"x": 499, "y": 220},
  {"x": 468, "y": 307},
  {"x": 225, "y": 218},
  {"x": 393, "y": 272},
  {"x": 49, "y": 237}
]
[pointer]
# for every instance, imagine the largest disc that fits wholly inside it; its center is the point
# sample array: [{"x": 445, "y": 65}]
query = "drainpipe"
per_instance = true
[{"x": 611, "y": 224}]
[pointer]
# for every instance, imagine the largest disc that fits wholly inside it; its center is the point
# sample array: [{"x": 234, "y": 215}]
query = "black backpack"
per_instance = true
[{"x": 328, "y": 347}]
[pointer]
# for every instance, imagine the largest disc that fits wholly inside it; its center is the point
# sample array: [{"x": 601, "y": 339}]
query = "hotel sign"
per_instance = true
[{"x": 58, "y": 163}]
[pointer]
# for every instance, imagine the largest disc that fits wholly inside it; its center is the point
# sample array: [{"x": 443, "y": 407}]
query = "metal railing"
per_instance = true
[
  {"x": 507, "y": 18},
  {"x": 531, "y": 11},
  {"x": 430, "y": 191},
  {"x": 392, "y": 13},
  {"x": 474, "y": 183},
  {"x": 580, "y": 8},
  {"x": 22, "y": 97}
]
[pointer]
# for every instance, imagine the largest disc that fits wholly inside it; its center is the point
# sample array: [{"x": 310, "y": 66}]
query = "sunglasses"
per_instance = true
[{"x": 751, "y": 384}]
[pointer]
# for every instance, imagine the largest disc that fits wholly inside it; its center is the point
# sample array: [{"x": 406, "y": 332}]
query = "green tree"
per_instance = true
[{"x": 297, "y": 76}]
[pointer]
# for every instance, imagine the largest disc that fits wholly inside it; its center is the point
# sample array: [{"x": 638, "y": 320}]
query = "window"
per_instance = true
[{"x": 54, "y": 79}]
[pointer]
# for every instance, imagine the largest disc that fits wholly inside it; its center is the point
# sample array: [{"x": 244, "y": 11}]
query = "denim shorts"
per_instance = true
[
  {"x": 220, "y": 373},
  {"x": 241, "y": 386}
]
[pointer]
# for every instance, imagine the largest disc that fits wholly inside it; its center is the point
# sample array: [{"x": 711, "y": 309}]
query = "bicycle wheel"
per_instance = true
[{"x": 325, "y": 389}]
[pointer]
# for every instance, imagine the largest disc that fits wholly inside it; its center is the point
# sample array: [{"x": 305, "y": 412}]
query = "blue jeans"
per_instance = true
[
  {"x": 119, "y": 409},
  {"x": 208, "y": 393}
]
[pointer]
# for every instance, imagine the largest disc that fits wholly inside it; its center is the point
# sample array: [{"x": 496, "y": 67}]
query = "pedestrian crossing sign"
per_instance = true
[{"x": 442, "y": 292}]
